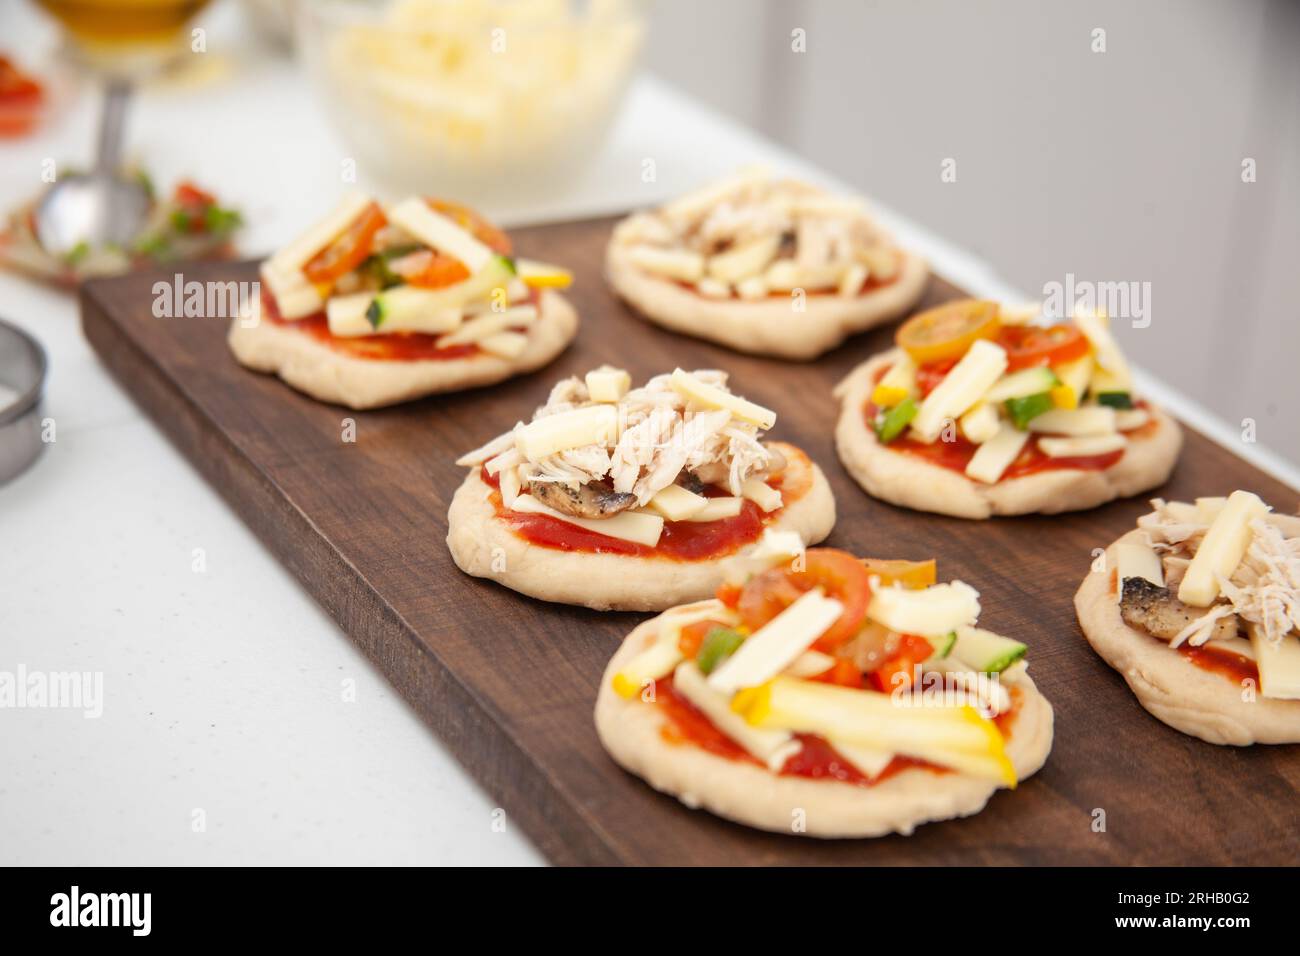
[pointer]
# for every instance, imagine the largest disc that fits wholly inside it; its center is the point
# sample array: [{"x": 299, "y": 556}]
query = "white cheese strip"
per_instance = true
[
  {"x": 607, "y": 384},
  {"x": 761, "y": 493},
  {"x": 1109, "y": 357},
  {"x": 510, "y": 458},
  {"x": 592, "y": 425},
  {"x": 752, "y": 289},
  {"x": 1136, "y": 560},
  {"x": 778, "y": 545},
  {"x": 676, "y": 503},
  {"x": 1207, "y": 509},
  {"x": 654, "y": 663},
  {"x": 851, "y": 281},
  {"x": 716, "y": 509},
  {"x": 980, "y": 423},
  {"x": 1089, "y": 420},
  {"x": 678, "y": 264},
  {"x": 492, "y": 449},
  {"x": 295, "y": 297},
  {"x": 300, "y": 251},
  {"x": 713, "y": 289},
  {"x": 543, "y": 275},
  {"x": 785, "y": 275},
  {"x": 809, "y": 664},
  {"x": 484, "y": 326},
  {"x": 506, "y": 345},
  {"x": 1279, "y": 665},
  {"x": 635, "y": 526},
  {"x": 710, "y": 396},
  {"x": 1022, "y": 313},
  {"x": 897, "y": 383},
  {"x": 744, "y": 260},
  {"x": 702, "y": 200},
  {"x": 772, "y": 747},
  {"x": 771, "y": 648},
  {"x": 928, "y": 612},
  {"x": 1127, "y": 419},
  {"x": 346, "y": 314},
  {"x": 434, "y": 229},
  {"x": 1083, "y": 446},
  {"x": 995, "y": 456},
  {"x": 511, "y": 485},
  {"x": 1221, "y": 549},
  {"x": 869, "y": 761},
  {"x": 981, "y": 366}
]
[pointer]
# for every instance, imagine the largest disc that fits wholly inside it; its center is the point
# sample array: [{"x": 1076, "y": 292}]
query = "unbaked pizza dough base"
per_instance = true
[
  {"x": 910, "y": 482},
  {"x": 1176, "y": 691},
  {"x": 631, "y": 731},
  {"x": 485, "y": 547},
  {"x": 329, "y": 375},
  {"x": 768, "y": 326}
]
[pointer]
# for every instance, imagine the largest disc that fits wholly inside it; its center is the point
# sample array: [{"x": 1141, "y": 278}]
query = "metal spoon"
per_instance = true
[{"x": 102, "y": 206}]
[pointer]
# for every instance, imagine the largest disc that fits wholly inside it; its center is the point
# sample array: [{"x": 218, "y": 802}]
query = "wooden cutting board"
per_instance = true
[{"x": 509, "y": 682}]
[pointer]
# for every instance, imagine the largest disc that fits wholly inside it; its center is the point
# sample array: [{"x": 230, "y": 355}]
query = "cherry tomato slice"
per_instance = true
[
  {"x": 429, "y": 269},
  {"x": 948, "y": 330},
  {"x": 838, "y": 573},
  {"x": 910, "y": 574},
  {"x": 1029, "y": 346},
  {"x": 843, "y": 672},
  {"x": 469, "y": 219},
  {"x": 190, "y": 195},
  {"x": 897, "y": 672},
  {"x": 347, "y": 251}
]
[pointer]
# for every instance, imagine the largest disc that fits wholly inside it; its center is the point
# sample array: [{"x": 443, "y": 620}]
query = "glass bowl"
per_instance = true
[{"x": 474, "y": 99}]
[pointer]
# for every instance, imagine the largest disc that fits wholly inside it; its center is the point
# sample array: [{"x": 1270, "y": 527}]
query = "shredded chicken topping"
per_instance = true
[
  {"x": 659, "y": 437},
  {"x": 1264, "y": 590}
]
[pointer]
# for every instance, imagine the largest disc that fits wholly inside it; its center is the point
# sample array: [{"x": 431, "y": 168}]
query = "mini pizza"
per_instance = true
[
  {"x": 632, "y": 499},
  {"x": 982, "y": 410},
  {"x": 376, "y": 306},
  {"x": 766, "y": 266},
  {"x": 827, "y": 695},
  {"x": 1199, "y": 609}
]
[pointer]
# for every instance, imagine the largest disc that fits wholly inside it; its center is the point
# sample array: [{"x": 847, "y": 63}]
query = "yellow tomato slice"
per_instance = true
[
  {"x": 948, "y": 330},
  {"x": 910, "y": 574}
]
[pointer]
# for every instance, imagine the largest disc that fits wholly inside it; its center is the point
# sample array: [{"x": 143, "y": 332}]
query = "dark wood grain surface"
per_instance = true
[{"x": 509, "y": 682}]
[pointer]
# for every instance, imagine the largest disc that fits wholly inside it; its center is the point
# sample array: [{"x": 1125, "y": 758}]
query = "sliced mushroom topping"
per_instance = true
[
  {"x": 590, "y": 500},
  {"x": 691, "y": 482},
  {"x": 1157, "y": 611}
]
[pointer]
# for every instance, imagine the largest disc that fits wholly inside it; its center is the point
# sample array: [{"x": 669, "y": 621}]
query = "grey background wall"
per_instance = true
[{"x": 1115, "y": 166}]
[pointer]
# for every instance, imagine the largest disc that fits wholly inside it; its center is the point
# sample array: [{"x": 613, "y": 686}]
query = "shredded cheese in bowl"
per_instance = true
[{"x": 467, "y": 94}]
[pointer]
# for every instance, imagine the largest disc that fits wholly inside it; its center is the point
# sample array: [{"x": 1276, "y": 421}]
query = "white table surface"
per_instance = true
[{"x": 224, "y": 689}]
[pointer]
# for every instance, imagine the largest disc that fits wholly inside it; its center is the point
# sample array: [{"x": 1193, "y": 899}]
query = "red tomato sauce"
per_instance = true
[
  {"x": 680, "y": 540},
  {"x": 1236, "y": 667},
  {"x": 395, "y": 347},
  {"x": 818, "y": 760},
  {"x": 955, "y": 455}
]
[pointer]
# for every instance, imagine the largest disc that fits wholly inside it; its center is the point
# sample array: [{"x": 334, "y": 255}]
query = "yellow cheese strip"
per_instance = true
[
  {"x": 710, "y": 396},
  {"x": 1074, "y": 377},
  {"x": 771, "y": 648},
  {"x": 1221, "y": 549},
  {"x": 956, "y": 737},
  {"x": 662, "y": 655},
  {"x": 635, "y": 526},
  {"x": 593, "y": 425},
  {"x": 542, "y": 275},
  {"x": 772, "y": 747},
  {"x": 897, "y": 384}
]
